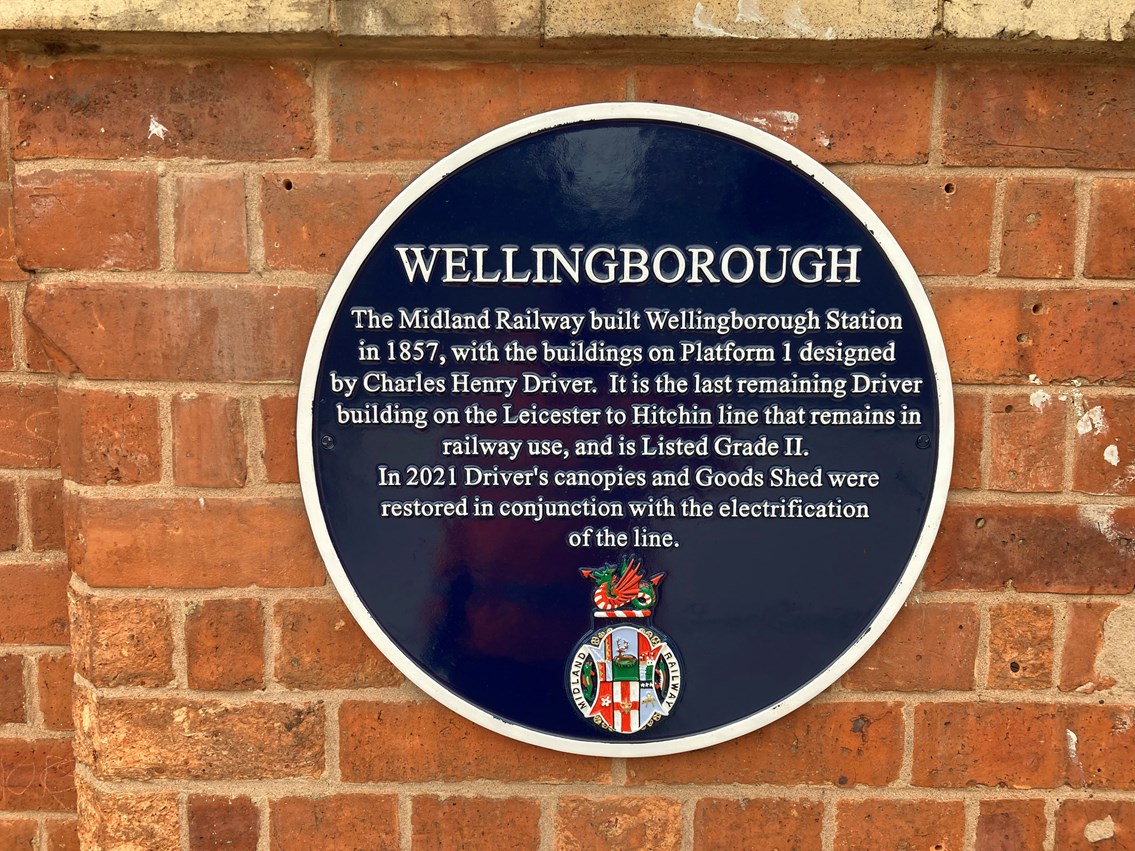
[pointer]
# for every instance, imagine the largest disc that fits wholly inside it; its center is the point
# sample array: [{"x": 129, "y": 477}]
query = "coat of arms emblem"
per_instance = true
[{"x": 624, "y": 674}]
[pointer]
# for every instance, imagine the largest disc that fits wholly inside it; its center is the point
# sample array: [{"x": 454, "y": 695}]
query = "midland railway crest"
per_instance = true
[{"x": 624, "y": 674}]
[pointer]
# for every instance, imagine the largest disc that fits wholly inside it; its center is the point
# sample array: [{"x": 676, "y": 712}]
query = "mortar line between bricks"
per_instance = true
[
  {"x": 255, "y": 445},
  {"x": 180, "y": 655},
  {"x": 1073, "y": 402},
  {"x": 906, "y": 766},
  {"x": 264, "y": 814},
  {"x": 553, "y": 791},
  {"x": 997, "y": 226},
  {"x": 405, "y": 822},
  {"x": 1050, "y": 823},
  {"x": 827, "y": 821},
  {"x": 183, "y": 819},
  {"x": 981, "y": 662},
  {"x": 686, "y": 820},
  {"x": 937, "y": 99},
  {"x": 969, "y": 841},
  {"x": 173, "y": 168},
  {"x": 985, "y": 462},
  {"x": 1082, "y": 196},
  {"x": 1059, "y": 641},
  {"x": 321, "y": 111},
  {"x": 547, "y": 825},
  {"x": 167, "y": 229}
]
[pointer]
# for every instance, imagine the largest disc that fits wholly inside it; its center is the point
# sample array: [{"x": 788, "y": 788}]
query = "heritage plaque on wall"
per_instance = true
[{"x": 625, "y": 429}]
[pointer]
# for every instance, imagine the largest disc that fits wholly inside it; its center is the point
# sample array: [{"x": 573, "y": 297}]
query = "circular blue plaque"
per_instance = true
[{"x": 625, "y": 429}]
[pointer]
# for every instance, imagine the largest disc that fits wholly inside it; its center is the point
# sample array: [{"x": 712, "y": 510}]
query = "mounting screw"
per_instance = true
[
  {"x": 328, "y": 442},
  {"x": 923, "y": 441}
]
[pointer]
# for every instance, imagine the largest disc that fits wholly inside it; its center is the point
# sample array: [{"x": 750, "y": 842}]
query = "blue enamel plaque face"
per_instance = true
[{"x": 625, "y": 430}]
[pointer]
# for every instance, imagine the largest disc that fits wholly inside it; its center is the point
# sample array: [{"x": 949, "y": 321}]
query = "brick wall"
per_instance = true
[{"x": 167, "y": 229}]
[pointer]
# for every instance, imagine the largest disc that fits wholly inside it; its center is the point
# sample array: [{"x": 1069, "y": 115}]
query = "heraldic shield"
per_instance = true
[{"x": 624, "y": 674}]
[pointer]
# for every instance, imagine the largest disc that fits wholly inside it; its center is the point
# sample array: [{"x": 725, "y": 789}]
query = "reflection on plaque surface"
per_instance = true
[{"x": 625, "y": 429}]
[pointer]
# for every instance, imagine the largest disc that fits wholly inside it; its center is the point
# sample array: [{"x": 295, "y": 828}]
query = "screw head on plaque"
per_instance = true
[{"x": 625, "y": 429}]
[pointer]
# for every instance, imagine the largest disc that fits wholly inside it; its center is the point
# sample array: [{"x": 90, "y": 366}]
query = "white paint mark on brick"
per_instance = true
[
  {"x": 1092, "y": 422},
  {"x": 157, "y": 128},
  {"x": 1111, "y": 455},
  {"x": 703, "y": 21},
  {"x": 1071, "y": 741},
  {"x": 1033, "y": 379},
  {"x": 1038, "y": 399},
  {"x": 749, "y": 11},
  {"x": 1099, "y": 830},
  {"x": 777, "y": 120},
  {"x": 1102, "y": 519}
]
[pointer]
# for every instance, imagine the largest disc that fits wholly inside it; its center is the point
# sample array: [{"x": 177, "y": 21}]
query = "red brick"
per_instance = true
[
  {"x": 1062, "y": 549},
  {"x": 1030, "y": 115},
  {"x": 1026, "y": 437},
  {"x": 13, "y": 709},
  {"x": 29, "y": 426},
  {"x": 17, "y": 835},
  {"x": 1104, "y": 447},
  {"x": 758, "y": 824},
  {"x": 223, "y": 824},
  {"x": 311, "y": 221},
  {"x": 928, "y": 647},
  {"x": 7, "y": 341},
  {"x": 1094, "y": 824},
  {"x": 395, "y": 110},
  {"x": 1111, "y": 234},
  {"x": 1004, "y": 335},
  {"x": 409, "y": 741},
  {"x": 1038, "y": 236},
  {"x": 224, "y": 645},
  {"x": 130, "y": 738},
  {"x": 474, "y": 824},
  {"x": 279, "y": 415},
  {"x": 884, "y": 824},
  {"x": 9, "y": 516},
  {"x": 334, "y": 823},
  {"x": 193, "y": 543},
  {"x": 229, "y": 109},
  {"x": 1104, "y": 746},
  {"x": 35, "y": 603},
  {"x": 109, "y": 438},
  {"x": 158, "y": 332},
  {"x": 849, "y": 744},
  {"x": 918, "y": 210},
  {"x": 9, "y": 265},
  {"x": 62, "y": 835},
  {"x": 1011, "y": 825},
  {"x": 208, "y": 441},
  {"x": 122, "y": 641},
  {"x": 321, "y": 646},
  {"x": 1083, "y": 641},
  {"x": 87, "y": 220},
  {"x": 606, "y": 824},
  {"x": 829, "y": 112},
  {"x": 210, "y": 231},
  {"x": 1020, "y": 646},
  {"x": 45, "y": 513},
  {"x": 1023, "y": 745},
  {"x": 128, "y": 820},
  {"x": 38, "y": 775},
  {"x": 54, "y": 685}
]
